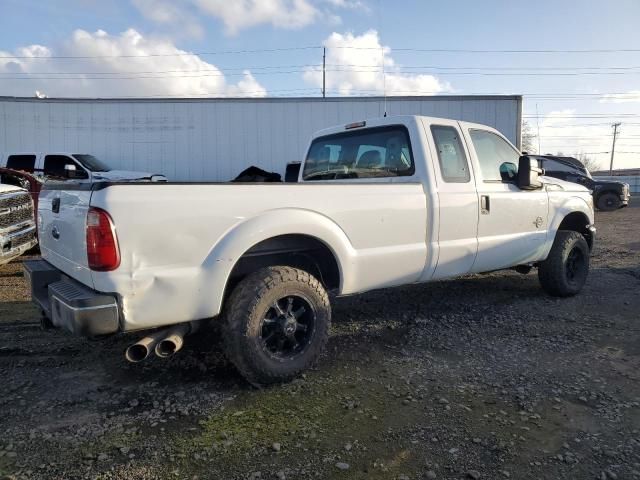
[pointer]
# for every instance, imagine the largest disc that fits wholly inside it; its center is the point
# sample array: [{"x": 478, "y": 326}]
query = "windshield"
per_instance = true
[
  {"x": 370, "y": 153},
  {"x": 91, "y": 163}
]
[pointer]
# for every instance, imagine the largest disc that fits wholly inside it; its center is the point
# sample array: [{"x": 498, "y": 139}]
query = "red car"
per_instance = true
[{"x": 23, "y": 180}]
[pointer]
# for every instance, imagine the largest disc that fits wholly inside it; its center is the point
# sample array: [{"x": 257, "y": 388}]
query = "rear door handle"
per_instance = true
[
  {"x": 485, "y": 204},
  {"x": 55, "y": 205}
]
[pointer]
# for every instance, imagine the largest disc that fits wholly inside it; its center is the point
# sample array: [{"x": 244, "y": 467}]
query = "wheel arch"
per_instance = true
[
  {"x": 296, "y": 250},
  {"x": 292, "y": 237},
  {"x": 569, "y": 213},
  {"x": 578, "y": 222}
]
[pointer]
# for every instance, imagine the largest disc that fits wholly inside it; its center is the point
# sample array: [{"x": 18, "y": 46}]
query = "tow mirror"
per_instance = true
[
  {"x": 70, "y": 171},
  {"x": 529, "y": 173}
]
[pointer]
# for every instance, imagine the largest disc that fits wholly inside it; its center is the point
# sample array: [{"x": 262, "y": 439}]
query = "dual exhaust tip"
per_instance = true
[{"x": 164, "y": 343}]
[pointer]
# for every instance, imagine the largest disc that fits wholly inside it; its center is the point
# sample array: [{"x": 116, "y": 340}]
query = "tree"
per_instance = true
[
  {"x": 590, "y": 163},
  {"x": 529, "y": 139}
]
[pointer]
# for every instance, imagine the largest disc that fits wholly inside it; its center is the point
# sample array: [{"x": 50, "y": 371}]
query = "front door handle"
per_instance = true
[{"x": 485, "y": 204}]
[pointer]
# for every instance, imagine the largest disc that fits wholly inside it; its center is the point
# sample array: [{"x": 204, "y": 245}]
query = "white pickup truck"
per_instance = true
[
  {"x": 79, "y": 166},
  {"x": 385, "y": 202}
]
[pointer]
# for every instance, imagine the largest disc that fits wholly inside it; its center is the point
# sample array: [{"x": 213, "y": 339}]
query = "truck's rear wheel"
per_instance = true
[
  {"x": 276, "y": 324},
  {"x": 608, "y": 202},
  {"x": 565, "y": 270}
]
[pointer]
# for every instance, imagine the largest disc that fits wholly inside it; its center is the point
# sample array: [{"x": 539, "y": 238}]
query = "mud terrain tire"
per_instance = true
[
  {"x": 564, "y": 272},
  {"x": 276, "y": 324}
]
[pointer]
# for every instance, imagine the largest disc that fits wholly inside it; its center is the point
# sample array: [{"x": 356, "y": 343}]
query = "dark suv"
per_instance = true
[{"x": 607, "y": 195}]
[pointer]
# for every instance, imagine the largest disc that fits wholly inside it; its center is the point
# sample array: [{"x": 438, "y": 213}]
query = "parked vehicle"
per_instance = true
[
  {"x": 607, "y": 195},
  {"x": 17, "y": 224},
  {"x": 79, "y": 166},
  {"x": 385, "y": 202}
]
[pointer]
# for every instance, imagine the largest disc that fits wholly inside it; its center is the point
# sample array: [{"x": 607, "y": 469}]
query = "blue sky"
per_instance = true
[{"x": 570, "y": 90}]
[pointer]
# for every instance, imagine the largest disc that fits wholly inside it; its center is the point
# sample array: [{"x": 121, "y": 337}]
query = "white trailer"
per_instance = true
[{"x": 197, "y": 139}]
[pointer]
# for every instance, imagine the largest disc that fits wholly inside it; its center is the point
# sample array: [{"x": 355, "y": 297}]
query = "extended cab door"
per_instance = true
[
  {"x": 457, "y": 199},
  {"x": 512, "y": 223}
]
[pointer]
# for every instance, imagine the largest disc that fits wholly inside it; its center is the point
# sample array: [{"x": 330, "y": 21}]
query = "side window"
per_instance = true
[
  {"x": 25, "y": 163},
  {"x": 493, "y": 151},
  {"x": 367, "y": 153},
  {"x": 54, "y": 165},
  {"x": 453, "y": 163}
]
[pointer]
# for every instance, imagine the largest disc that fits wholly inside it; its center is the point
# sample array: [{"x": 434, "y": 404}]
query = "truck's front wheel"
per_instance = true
[
  {"x": 608, "y": 202},
  {"x": 565, "y": 270},
  {"x": 276, "y": 324}
]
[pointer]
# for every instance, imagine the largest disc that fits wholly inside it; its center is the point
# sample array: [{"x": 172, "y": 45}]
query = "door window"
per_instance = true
[
  {"x": 26, "y": 163},
  {"x": 453, "y": 162},
  {"x": 54, "y": 166},
  {"x": 492, "y": 151}
]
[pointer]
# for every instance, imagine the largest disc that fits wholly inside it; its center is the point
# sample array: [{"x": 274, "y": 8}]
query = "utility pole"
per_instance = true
[
  {"x": 538, "y": 125},
  {"x": 324, "y": 71},
  {"x": 613, "y": 147}
]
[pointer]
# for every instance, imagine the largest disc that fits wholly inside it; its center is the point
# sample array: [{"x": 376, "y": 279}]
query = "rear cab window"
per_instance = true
[
  {"x": 451, "y": 158},
  {"x": 379, "y": 152}
]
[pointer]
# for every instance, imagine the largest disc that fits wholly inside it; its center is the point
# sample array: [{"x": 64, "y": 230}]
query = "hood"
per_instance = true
[
  {"x": 119, "y": 175},
  {"x": 609, "y": 183},
  {"x": 10, "y": 188},
  {"x": 564, "y": 185}
]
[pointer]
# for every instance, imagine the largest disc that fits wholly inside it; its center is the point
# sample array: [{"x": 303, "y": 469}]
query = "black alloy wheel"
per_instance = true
[
  {"x": 287, "y": 327},
  {"x": 574, "y": 266}
]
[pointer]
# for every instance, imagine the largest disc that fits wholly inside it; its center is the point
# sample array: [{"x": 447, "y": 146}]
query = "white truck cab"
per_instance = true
[
  {"x": 65, "y": 165},
  {"x": 378, "y": 203}
]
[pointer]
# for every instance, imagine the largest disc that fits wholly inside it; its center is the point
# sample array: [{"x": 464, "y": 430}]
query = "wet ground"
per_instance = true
[{"x": 481, "y": 377}]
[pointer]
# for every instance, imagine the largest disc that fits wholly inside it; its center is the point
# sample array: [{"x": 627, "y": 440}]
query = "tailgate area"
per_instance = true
[{"x": 69, "y": 304}]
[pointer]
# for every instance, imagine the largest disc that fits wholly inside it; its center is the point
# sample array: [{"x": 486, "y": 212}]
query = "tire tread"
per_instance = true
[
  {"x": 241, "y": 304},
  {"x": 551, "y": 272}
]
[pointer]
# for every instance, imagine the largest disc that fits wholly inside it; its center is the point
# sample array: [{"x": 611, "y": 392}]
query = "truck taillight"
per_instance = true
[{"x": 102, "y": 245}]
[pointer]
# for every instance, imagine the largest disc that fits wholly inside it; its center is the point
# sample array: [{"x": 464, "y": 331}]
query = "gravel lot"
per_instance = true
[{"x": 483, "y": 377}]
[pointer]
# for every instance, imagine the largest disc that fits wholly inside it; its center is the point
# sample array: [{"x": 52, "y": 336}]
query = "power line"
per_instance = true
[
  {"x": 460, "y": 50},
  {"x": 126, "y": 72},
  {"x": 218, "y": 73},
  {"x": 487, "y": 68},
  {"x": 317, "y": 47},
  {"x": 175, "y": 54}
]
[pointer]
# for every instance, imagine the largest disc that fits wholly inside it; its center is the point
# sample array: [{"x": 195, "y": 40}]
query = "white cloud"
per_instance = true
[
  {"x": 115, "y": 59},
  {"x": 353, "y": 4},
  {"x": 238, "y": 15},
  {"x": 355, "y": 65},
  {"x": 172, "y": 14},
  {"x": 628, "y": 97},
  {"x": 241, "y": 14}
]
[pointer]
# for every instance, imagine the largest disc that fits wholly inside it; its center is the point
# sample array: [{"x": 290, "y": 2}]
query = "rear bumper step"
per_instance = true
[{"x": 69, "y": 304}]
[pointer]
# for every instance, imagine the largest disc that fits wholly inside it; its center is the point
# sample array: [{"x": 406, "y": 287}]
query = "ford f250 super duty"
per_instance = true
[{"x": 385, "y": 202}]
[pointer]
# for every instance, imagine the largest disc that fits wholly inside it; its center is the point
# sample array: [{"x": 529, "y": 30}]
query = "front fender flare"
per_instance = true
[{"x": 560, "y": 207}]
